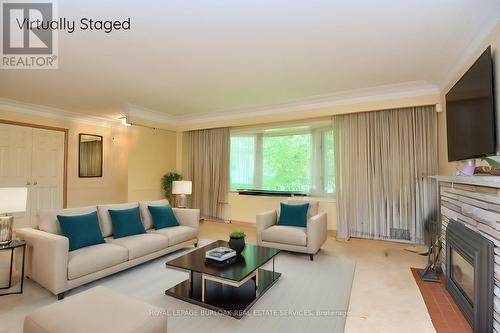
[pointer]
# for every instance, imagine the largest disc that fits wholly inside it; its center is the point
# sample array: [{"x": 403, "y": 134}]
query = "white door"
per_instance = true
[
  {"x": 15, "y": 161},
  {"x": 47, "y": 171}
]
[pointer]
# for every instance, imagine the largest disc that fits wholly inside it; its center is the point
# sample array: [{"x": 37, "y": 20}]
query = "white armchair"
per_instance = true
[{"x": 296, "y": 239}]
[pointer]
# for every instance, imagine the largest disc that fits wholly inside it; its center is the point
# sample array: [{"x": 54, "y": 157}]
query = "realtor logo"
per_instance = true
[{"x": 27, "y": 40}]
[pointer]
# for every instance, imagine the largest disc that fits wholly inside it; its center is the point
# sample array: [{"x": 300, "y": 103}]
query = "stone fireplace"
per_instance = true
[{"x": 470, "y": 229}]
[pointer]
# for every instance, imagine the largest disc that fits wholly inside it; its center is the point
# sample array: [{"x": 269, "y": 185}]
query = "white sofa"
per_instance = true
[{"x": 50, "y": 263}]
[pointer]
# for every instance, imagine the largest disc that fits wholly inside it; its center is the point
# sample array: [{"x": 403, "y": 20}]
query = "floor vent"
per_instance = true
[{"x": 402, "y": 234}]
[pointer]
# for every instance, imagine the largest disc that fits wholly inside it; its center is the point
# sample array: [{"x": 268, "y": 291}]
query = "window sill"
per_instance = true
[
  {"x": 327, "y": 199},
  {"x": 264, "y": 193}
]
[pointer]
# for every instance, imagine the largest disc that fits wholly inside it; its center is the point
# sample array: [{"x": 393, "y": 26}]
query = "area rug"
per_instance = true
[{"x": 310, "y": 296}]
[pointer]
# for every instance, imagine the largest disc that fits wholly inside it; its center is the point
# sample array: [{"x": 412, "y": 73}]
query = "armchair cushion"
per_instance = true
[
  {"x": 293, "y": 215},
  {"x": 285, "y": 235},
  {"x": 81, "y": 230}
]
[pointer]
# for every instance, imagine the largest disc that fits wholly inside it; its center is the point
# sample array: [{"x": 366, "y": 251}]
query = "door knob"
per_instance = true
[
  {"x": 35, "y": 183},
  {"x": 28, "y": 183}
]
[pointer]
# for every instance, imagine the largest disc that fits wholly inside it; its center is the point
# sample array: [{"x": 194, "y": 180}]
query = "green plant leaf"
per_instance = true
[
  {"x": 491, "y": 162},
  {"x": 237, "y": 234}
]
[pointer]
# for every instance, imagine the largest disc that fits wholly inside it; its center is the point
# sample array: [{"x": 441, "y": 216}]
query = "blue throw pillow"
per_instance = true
[
  {"x": 126, "y": 222},
  {"x": 81, "y": 230},
  {"x": 293, "y": 215},
  {"x": 163, "y": 216}
]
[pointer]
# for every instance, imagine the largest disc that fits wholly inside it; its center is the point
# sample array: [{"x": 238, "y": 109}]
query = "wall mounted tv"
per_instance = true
[{"x": 470, "y": 112}]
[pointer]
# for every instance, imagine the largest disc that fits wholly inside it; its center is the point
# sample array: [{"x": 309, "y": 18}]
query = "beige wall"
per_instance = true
[
  {"x": 152, "y": 153},
  {"x": 112, "y": 187},
  {"x": 493, "y": 39},
  {"x": 135, "y": 159}
]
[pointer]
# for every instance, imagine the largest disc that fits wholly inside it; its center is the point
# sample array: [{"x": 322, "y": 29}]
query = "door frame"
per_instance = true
[{"x": 51, "y": 128}]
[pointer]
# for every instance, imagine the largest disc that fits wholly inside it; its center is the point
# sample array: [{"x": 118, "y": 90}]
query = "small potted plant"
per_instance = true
[{"x": 237, "y": 241}]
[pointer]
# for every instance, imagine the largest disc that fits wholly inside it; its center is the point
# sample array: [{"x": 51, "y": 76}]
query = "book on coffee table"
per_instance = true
[{"x": 220, "y": 253}]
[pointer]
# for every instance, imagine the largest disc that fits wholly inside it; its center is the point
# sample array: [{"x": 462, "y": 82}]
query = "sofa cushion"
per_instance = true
[
  {"x": 313, "y": 206},
  {"x": 126, "y": 222},
  {"x": 285, "y": 235},
  {"x": 94, "y": 258},
  {"x": 163, "y": 217},
  {"x": 141, "y": 245},
  {"x": 105, "y": 219},
  {"x": 178, "y": 234},
  {"x": 47, "y": 218},
  {"x": 147, "y": 221},
  {"x": 81, "y": 230},
  {"x": 293, "y": 215}
]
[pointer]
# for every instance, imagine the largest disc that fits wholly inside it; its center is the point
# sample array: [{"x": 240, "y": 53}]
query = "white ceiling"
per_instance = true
[{"x": 186, "y": 58}]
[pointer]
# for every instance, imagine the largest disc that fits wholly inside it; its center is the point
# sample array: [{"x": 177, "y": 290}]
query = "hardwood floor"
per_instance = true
[{"x": 385, "y": 297}]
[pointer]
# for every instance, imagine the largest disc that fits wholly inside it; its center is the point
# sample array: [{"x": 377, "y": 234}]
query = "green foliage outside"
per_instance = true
[{"x": 286, "y": 163}]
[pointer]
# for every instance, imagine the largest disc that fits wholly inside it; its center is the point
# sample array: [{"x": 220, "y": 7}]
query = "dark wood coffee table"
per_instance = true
[{"x": 230, "y": 288}]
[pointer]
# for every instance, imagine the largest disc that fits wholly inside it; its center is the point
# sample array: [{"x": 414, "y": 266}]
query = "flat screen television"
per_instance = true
[{"x": 470, "y": 112}]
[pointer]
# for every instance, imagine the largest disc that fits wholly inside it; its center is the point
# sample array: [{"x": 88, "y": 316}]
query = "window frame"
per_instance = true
[{"x": 318, "y": 172}]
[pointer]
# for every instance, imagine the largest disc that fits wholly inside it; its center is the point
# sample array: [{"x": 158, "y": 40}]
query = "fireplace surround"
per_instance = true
[
  {"x": 469, "y": 278},
  {"x": 473, "y": 202}
]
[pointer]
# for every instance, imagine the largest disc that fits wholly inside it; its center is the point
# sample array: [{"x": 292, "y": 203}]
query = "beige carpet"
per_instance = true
[{"x": 291, "y": 305}]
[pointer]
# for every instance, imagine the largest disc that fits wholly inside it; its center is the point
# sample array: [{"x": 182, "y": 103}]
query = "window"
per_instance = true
[
  {"x": 242, "y": 162},
  {"x": 298, "y": 159}
]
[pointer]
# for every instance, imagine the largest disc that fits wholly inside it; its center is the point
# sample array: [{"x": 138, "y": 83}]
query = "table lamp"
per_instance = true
[
  {"x": 181, "y": 188},
  {"x": 12, "y": 200}
]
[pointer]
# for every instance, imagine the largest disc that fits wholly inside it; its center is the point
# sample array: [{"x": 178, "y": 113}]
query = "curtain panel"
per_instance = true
[
  {"x": 206, "y": 164},
  {"x": 382, "y": 163}
]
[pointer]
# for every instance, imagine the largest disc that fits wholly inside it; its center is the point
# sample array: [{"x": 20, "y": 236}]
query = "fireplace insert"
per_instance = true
[{"x": 469, "y": 274}]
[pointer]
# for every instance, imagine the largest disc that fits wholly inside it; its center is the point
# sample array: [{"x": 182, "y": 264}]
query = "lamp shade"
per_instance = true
[
  {"x": 13, "y": 199},
  {"x": 182, "y": 187}
]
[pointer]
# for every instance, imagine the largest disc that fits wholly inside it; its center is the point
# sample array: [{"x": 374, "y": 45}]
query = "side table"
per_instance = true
[{"x": 14, "y": 247}]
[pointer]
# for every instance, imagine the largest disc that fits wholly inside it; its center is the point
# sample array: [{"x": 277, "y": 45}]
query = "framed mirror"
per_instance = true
[{"x": 90, "y": 155}]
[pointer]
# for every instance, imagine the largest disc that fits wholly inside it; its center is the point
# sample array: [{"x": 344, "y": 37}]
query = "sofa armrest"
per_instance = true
[
  {"x": 264, "y": 221},
  {"x": 46, "y": 258},
  {"x": 316, "y": 232},
  {"x": 188, "y": 217}
]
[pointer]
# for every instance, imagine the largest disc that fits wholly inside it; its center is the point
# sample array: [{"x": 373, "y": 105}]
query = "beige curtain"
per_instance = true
[
  {"x": 206, "y": 164},
  {"x": 382, "y": 160}
]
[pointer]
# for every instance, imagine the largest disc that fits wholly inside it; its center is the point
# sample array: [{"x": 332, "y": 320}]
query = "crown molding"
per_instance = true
[
  {"x": 351, "y": 97},
  {"x": 152, "y": 115},
  {"x": 136, "y": 112},
  {"x": 56, "y": 113}
]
